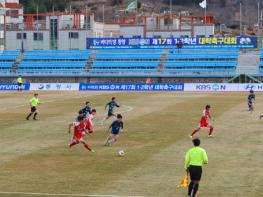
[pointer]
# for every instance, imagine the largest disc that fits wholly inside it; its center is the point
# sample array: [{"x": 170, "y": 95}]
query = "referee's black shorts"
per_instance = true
[
  {"x": 195, "y": 172},
  {"x": 33, "y": 109}
]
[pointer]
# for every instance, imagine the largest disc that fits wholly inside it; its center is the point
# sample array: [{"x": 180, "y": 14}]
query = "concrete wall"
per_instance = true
[
  {"x": 13, "y": 43},
  {"x": 204, "y": 30},
  {"x": 9, "y": 1},
  {"x": 167, "y": 34},
  {"x": 174, "y": 25},
  {"x": 101, "y": 30},
  {"x": 130, "y": 31},
  {"x": 64, "y": 42}
]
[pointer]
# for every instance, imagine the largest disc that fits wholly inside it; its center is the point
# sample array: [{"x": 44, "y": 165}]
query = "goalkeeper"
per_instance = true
[{"x": 194, "y": 160}]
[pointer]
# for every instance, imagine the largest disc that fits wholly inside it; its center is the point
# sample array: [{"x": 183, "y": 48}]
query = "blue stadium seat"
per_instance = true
[{"x": 103, "y": 61}]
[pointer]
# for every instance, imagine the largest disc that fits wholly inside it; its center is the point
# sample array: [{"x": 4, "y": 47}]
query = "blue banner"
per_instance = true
[
  {"x": 131, "y": 87},
  {"x": 12, "y": 86},
  {"x": 201, "y": 42}
]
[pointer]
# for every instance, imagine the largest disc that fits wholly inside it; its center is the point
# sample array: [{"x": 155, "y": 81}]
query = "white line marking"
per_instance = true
[
  {"x": 48, "y": 101},
  {"x": 129, "y": 108},
  {"x": 51, "y": 194}
]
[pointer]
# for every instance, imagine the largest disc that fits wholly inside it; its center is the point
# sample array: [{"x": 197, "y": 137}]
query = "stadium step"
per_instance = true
[
  {"x": 248, "y": 62},
  {"x": 17, "y": 62},
  {"x": 90, "y": 60},
  {"x": 163, "y": 59}
]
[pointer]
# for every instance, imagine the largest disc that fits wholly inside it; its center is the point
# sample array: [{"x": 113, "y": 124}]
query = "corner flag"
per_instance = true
[{"x": 184, "y": 182}]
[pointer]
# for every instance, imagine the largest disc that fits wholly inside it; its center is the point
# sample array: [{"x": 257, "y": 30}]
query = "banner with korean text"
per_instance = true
[{"x": 201, "y": 42}]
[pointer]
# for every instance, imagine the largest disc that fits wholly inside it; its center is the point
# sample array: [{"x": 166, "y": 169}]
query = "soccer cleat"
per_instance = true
[
  {"x": 190, "y": 136},
  {"x": 93, "y": 151},
  {"x": 210, "y": 136},
  {"x": 27, "y": 118}
]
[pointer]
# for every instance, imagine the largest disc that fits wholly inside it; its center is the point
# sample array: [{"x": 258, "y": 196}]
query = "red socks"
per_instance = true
[
  {"x": 87, "y": 146},
  {"x": 194, "y": 132},
  {"x": 211, "y": 130},
  {"x": 72, "y": 144}
]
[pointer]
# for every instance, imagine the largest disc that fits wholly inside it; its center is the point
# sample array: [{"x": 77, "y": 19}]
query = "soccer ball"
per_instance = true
[{"x": 121, "y": 153}]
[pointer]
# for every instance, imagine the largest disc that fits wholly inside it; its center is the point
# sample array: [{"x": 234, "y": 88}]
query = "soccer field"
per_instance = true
[{"x": 35, "y": 157}]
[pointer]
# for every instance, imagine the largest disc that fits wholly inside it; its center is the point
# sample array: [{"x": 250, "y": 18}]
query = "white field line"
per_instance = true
[
  {"x": 129, "y": 108},
  {"x": 47, "y": 101},
  {"x": 54, "y": 194}
]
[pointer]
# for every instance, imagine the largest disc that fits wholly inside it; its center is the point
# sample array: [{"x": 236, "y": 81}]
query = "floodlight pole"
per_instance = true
[
  {"x": 136, "y": 19},
  {"x": 171, "y": 18},
  {"x": 37, "y": 27},
  {"x": 240, "y": 20},
  {"x": 103, "y": 13},
  {"x": 205, "y": 18},
  {"x": 258, "y": 18}
]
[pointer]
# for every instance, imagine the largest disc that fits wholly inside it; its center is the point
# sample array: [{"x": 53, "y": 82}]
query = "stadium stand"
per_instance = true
[
  {"x": 7, "y": 60},
  {"x": 205, "y": 61},
  {"x": 261, "y": 61},
  {"x": 179, "y": 62},
  {"x": 54, "y": 62},
  {"x": 122, "y": 61}
]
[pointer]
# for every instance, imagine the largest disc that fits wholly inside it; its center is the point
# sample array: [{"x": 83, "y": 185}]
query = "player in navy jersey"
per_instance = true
[
  {"x": 250, "y": 100},
  {"x": 87, "y": 109},
  {"x": 115, "y": 128},
  {"x": 110, "y": 105}
]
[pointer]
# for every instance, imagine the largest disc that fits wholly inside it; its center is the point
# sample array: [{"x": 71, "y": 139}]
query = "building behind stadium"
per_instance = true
[{"x": 65, "y": 31}]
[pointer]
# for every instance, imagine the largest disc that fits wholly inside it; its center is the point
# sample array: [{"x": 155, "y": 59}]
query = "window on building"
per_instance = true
[
  {"x": 21, "y": 36},
  {"x": 168, "y": 21},
  {"x": 38, "y": 36},
  {"x": 13, "y": 13},
  {"x": 73, "y": 35}
]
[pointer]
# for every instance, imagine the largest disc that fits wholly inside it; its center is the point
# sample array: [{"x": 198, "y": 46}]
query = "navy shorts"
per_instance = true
[
  {"x": 115, "y": 132},
  {"x": 110, "y": 113}
]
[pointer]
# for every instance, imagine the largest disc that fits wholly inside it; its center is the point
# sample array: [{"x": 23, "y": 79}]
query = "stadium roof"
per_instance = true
[{"x": 13, "y": 5}]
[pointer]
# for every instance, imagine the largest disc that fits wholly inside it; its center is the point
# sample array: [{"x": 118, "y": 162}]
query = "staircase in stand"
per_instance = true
[
  {"x": 92, "y": 57},
  {"x": 17, "y": 62},
  {"x": 163, "y": 60}
]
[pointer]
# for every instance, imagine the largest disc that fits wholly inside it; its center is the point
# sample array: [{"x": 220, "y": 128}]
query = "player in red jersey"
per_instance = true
[
  {"x": 88, "y": 122},
  {"x": 204, "y": 122},
  {"x": 79, "y": 128}
]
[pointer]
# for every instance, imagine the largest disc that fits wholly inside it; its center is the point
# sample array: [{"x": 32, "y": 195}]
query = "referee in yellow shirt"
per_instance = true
[
  {"x": 195, "y": 158},
  {"x": 20, "y": 83},
  {"x": 34, "y": 102}
]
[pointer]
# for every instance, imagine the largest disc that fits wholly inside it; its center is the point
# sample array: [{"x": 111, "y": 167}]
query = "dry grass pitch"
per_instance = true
[{"x": 35, "y": 156}]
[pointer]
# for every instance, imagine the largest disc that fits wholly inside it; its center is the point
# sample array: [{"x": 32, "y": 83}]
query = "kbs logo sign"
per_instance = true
[
  {"x": 211, "y": 87},
  {"x": 207, "y": 87}
]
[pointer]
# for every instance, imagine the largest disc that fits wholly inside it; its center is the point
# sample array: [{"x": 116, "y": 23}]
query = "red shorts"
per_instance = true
[
  {"x": 203, "y": 123},
  {"x": 78, "y": 136},
  {"x": 88, "y": 127}
]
